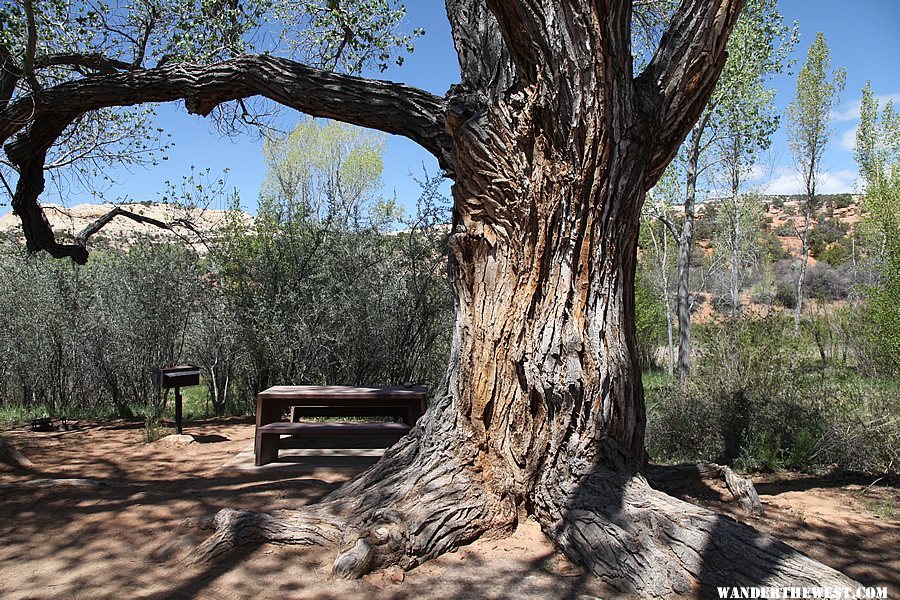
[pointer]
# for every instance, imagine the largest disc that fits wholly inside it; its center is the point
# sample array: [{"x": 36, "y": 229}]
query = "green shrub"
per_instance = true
[
  {"x": 756, "y": 400},
  {"x": 878, "y": 322},
  {"x": 835, "y": 254},
  {"x": 650, "y": 322}
]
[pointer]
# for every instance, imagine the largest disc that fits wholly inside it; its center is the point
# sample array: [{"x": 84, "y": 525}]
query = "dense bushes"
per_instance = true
[
  {"x": 320, "y": 288},
  {"x": 756, "y": 399},
  {"x": 80, "y": 341},
  {"x": 368, "y": 308},
  {"x": 347, "y": 305}
]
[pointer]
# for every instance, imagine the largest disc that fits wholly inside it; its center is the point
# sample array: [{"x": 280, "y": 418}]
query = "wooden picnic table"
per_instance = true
[{"x": 405, "y": 402}]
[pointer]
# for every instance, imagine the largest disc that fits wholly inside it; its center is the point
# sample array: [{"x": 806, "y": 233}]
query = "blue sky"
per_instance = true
[
  {"x": 861, "y": 34},
  {"x": 862, "y": 37}
]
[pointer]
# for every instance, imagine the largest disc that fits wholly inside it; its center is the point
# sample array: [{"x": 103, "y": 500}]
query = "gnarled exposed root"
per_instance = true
[
  {"x": 643, "y": 541},
  {"x": 423, "y": 499},
  {"x": 410, "y": 507},
  {"x": 741, "y": 488},
  {"x": 235, "y": 528},
  {"x": 11, "y": 456}
]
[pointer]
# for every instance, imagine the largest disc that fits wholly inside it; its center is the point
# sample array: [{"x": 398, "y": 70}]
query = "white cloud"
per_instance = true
[
  {"x": 787, "y": 181},
  {"x": 849, "y": 111},
  {"x": 838, "y": 182},
  {"x": 848, "y": 139},
  {"x": 758, "y": 172}
]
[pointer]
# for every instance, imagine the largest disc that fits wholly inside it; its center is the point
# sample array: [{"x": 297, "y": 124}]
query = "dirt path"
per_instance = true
[{"x": 121, "y": 539}]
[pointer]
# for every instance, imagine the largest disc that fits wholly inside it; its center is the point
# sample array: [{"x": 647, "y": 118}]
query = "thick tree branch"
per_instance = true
[
  {"x": 484, "y": 60},
  {"x": 679, "y": 81},
  {"x": 387, "y": 106},
  {"x": 35, "y": 122},
  {"x": 520, "y": 28},
  {"x": 592, "y": 36},
  {"x": 31, "y": 46},
  {"x": 9, "y": 75}
]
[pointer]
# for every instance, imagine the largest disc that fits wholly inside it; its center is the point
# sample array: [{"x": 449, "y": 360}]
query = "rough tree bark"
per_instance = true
[{"x": 551, "y": 142}]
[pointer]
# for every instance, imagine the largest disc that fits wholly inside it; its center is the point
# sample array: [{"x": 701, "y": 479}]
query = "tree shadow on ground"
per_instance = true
[
  {"x": 641, "y": 540},
  {"x": 115, "y": 532},
  {"x": 854, "y": 547},
  {"x": 210, "y": 439}
]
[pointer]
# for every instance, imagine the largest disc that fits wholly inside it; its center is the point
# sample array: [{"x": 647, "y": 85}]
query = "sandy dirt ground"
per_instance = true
[{"x": 122, "y": 538}]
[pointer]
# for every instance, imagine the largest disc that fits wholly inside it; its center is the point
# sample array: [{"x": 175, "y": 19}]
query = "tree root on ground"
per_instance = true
[
  {"x": 634, "y": 538},
  {"x": 643, "y": 541},
  {"x": 9, "y": 455},
  {"x": 741, "y": 488}
]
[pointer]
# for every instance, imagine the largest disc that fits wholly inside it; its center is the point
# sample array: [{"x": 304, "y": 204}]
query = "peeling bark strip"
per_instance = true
[{"x": 552, "y": 143}]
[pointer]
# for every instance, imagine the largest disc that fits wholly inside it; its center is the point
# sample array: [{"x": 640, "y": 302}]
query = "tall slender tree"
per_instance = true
[
  {"x": 738, "y": 116},
  {"x": 551, "y": 141},
  {"x": 878, "y": 157},
  {"x": 745, "y": 122},
  {"x": 809, "y": 130}
]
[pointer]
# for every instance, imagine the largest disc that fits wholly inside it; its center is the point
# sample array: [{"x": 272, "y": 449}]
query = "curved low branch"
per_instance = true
[
  {"x": 387, "y": 106},
  {"x": 31, "y": 125}
]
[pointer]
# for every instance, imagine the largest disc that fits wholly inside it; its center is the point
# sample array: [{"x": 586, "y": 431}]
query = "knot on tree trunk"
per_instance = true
[{"x": 382, "y": 541}]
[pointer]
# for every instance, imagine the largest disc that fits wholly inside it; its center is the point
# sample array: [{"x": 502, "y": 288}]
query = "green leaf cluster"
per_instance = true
[
  {"x": 878, "y": 156},
  {"x": 809, "y": 114}
]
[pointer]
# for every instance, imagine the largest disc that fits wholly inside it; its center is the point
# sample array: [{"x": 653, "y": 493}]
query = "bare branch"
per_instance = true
[
  {"x": 95, "y": 226},
  {"x": 6, "y": 185},
  {"x": 31, "y": 46},
  {"x": 141, "y": 47},
  {"x": 92, "y": 61},
  {"x": 667, "y": 222}
]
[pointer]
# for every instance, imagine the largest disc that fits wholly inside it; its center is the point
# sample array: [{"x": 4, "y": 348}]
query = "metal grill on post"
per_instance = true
[{"x": 176, "y": 378}]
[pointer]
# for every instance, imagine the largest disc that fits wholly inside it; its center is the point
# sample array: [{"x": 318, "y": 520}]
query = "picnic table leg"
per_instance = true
[{"x": 266, "y": 448}]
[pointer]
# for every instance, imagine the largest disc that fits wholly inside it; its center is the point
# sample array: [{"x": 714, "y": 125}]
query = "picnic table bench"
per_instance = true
[{"x": 407, "y": 403}]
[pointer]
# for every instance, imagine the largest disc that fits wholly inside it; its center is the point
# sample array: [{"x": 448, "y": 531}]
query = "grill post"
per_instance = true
[{"x": 176, "y": 378}]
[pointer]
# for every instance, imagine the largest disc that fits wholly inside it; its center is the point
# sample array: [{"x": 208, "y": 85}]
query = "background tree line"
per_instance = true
[{"x": 769, "y": 390}]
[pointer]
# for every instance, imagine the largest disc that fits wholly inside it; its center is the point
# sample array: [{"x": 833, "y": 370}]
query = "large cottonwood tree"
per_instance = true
[{"x": 551, "y": 141}]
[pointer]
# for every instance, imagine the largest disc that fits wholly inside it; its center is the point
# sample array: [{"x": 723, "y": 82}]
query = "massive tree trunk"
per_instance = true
[{"x": 552, "y": 144}]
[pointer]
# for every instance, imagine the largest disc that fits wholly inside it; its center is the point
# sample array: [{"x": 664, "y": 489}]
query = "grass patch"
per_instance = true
[
  {"x": 195, "y": 403},
  {"x": 15, "y": 414},
  {"x": 883, "y": 507}
]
